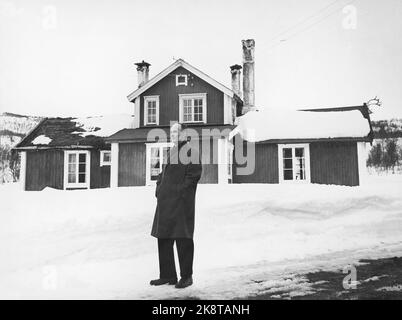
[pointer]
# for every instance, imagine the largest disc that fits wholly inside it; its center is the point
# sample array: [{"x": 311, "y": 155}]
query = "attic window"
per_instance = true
[{"x": 181, "y": 79}]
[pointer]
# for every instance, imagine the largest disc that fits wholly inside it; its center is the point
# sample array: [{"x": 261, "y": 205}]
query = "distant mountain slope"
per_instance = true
[{"x": 13, "y": 127}]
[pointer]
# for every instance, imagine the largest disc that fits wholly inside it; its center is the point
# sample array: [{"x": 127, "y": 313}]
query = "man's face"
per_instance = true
[{"x": 175, "y": 133}]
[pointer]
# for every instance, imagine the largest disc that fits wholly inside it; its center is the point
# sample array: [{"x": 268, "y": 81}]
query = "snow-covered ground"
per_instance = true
[{"x": 97, "y": 243}]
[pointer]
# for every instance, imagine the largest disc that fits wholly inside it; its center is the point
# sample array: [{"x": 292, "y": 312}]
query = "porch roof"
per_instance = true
[{"x": 162, "y": 133}]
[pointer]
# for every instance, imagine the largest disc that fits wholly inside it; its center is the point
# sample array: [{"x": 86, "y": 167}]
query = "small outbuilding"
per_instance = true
[
  {"x": 326, "y": 146},
  {"x": 69, "y": 153}
]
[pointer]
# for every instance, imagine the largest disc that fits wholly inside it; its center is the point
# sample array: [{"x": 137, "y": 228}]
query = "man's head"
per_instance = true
[{"x": 177, "y": 133}]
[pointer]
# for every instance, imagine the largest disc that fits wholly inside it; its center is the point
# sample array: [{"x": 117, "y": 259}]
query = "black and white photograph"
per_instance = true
[{"x": 201, "y": 150}]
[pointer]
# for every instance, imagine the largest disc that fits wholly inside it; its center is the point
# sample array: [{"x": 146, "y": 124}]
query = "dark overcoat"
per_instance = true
[{"x": 175, "y": 192}]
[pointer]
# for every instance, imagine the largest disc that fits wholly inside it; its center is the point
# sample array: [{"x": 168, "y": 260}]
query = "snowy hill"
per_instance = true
[
  {"x": 13, "y": 127},
  {"x": 250, "y": 238}
]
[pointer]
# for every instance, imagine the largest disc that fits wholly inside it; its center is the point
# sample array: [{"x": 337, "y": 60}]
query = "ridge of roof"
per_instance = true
[{"x": 171, "y": 68}]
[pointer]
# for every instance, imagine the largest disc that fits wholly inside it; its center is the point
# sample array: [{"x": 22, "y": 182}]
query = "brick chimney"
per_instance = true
[
  {"x": 236, "y": 75},
  {"x": 248, "y": 75},
  {"x": 143, "y": 72}
]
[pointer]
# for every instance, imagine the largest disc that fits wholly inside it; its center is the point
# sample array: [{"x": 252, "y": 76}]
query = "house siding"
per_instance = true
[
  {"x": 330, "y": 163},
  {"x": 132, "y": 164},
  {"x": 100, "y": 176},
  {"x": 169, "y": 98},
  {"x": 266, "y": 165},
  {"x": 44, "y": 168},
  {"x": 209, "y": 164},
  {"x": 334, "y": 163}
]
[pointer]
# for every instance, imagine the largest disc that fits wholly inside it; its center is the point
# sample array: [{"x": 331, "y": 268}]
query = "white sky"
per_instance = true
[{"x": 61, "y": 58}]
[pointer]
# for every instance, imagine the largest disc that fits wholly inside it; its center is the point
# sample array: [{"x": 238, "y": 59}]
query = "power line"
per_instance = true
[
  {"x": 304, "y": 20},
  {"x": 310, "y": 26}
]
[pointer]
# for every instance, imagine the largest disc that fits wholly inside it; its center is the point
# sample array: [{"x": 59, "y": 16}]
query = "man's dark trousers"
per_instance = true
[{"x": 185, "y": 251}]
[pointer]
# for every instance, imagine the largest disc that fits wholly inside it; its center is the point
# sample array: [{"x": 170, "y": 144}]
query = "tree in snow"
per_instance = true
[
  {"x": 375, "y": 157},
  {"x": 15, "y": 165},
  {"x": 391, "y": 155}
]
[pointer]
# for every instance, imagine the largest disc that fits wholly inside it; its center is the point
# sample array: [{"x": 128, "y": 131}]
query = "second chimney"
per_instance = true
[
  {"x": 236, "y": 74},
  {"x": 143, "y": 72},
  {"x": 248, "y": 75}
]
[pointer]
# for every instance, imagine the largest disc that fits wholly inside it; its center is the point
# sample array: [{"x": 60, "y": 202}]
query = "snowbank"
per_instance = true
[
  {"x": 273, "y": 123},
  {"x": 97, "y": 243}
]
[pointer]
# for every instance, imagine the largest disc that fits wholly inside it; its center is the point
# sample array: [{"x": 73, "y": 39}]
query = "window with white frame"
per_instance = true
[
  {"x": 181, "y": 79},
  {"x": 156, "y": 156},
  {"x": 77, "y": 164},
  {"x": 151, "y": 110},
  {"x": 193, "y": 108},
  {"x": 294, "y": 163},
  {"x": 105, "y": 157}
]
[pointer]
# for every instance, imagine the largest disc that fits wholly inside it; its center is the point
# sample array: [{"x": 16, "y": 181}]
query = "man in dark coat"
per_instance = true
[{"x": 174, "y": 216}]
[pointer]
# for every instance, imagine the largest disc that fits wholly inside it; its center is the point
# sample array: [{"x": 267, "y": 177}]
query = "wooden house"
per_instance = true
[
  {"x": 180, "y": 93},
  {"x": 237, "y": 143},
  {"x": 68, "y": 153}
]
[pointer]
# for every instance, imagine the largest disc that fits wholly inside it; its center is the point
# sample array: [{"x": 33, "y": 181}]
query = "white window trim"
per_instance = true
[
  {"x": 159, "y": 145},
  {"x": 114, "y": 167},
  {"x": 306, "y": 147},
  {"x": 103, "y": 163},
  {"x": 230, "y": 160},
  {"x": 146, "y": 99},
  {"x": 181, "y": 83},
  {"x": 23, "y": 169},
  {"x": 87, "y": 170},
  {"x": 202, "y": 96},
  {"x": 362, "y": 155}
]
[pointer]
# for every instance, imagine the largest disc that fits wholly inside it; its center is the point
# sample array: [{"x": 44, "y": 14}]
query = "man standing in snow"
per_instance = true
[{"x": 174, "y": 216}]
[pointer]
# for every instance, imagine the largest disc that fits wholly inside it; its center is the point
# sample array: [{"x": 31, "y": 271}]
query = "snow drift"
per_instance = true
[
  {"x": 274, "y": 123},
  {"x": 97, "y": 244}
]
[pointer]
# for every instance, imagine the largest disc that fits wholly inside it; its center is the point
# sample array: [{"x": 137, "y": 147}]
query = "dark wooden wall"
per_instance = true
[
  {"x": 100, "y": 176},
  {"x": 169, "y": 98},
  {"x": 266, "y": 164},
  {"x": 334, "y": 163},
  {"x": 132, "y": 164},
  {"x": 44, "y": 168},
  {"x": 209, "y": 164}
]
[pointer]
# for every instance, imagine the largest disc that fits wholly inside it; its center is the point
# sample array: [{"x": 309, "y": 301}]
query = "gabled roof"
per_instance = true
[
  {"x": 180, "y": 63},
  {"x": 86, "y": 132}
]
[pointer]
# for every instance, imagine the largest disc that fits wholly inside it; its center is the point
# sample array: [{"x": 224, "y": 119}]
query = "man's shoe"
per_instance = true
[
  {"x": 159, "y": 282},
  {"x": 184, "y": 282}
]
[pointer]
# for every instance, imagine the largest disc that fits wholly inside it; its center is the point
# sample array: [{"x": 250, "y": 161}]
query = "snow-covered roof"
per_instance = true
[
  {"x": 279, "y": 124},
  {"x": 42, "y": 139},
  {"x": 75, "y": 132},
  {"x": 102, "y": 126}
]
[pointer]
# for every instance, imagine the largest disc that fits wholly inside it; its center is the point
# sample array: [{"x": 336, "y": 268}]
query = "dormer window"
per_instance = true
[
  {"x": 193, "y": 108},
  {"x": 181, "y": 79},
  {"x": 151, "y": 110}
]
